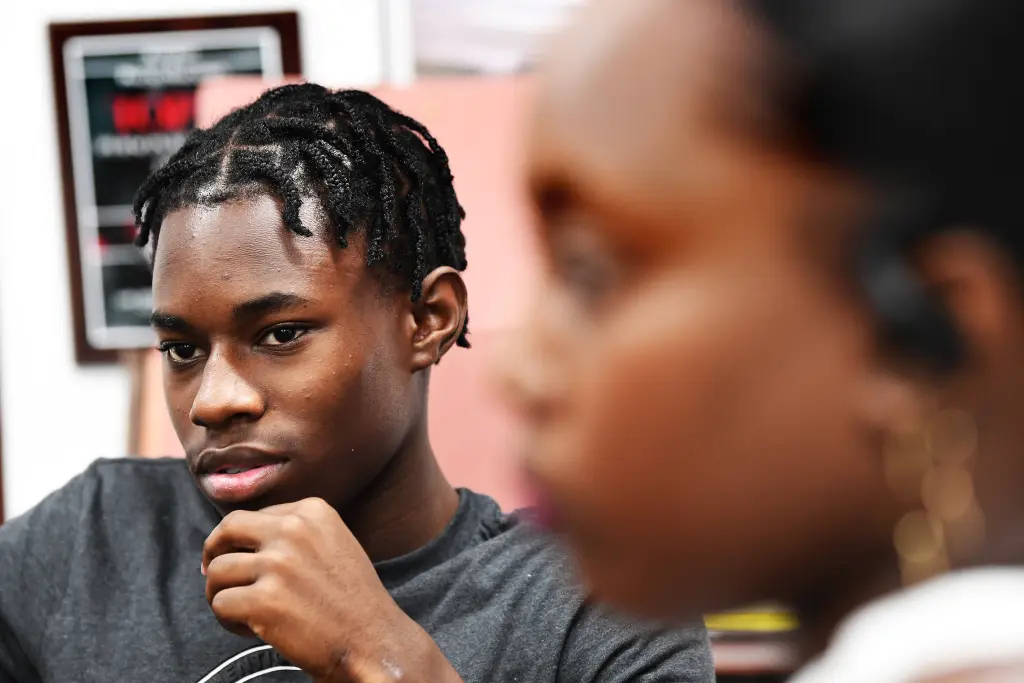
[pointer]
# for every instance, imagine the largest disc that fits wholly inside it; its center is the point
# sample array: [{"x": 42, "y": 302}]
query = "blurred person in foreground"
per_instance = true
[
  {"x": 779, "y": 352},
  {"x": 307, "y": 251}
]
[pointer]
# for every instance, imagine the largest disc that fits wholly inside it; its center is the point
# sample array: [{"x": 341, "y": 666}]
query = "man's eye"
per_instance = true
[
  {"x": 590, "y": 281},
  {"x": 584, "y": 262},
  {"x": 180, "y": 353},
  {"x": 281, "y": 336}
]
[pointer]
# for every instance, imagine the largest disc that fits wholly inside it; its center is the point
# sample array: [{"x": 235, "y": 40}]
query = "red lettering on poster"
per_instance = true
[
  {"x": 131, "y": 114},
  {"x": 170, "y": 112},
  {"x": 174, "y": 111}
]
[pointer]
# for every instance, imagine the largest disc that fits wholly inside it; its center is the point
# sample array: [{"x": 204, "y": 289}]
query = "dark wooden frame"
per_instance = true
[{"x": 287, "y": 25}]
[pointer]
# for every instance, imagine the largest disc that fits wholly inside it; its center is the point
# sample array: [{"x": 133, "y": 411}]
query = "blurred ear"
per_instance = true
[
  {"x": 439, "y": 316},
  {"x": 980, "y": 287}
]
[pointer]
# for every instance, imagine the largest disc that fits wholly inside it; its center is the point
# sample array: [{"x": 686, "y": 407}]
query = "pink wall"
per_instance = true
[{"x": 478, "y": 121}]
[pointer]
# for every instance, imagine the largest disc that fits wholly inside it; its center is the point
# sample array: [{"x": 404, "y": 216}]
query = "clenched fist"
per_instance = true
[{"x": 295, "y": 577}]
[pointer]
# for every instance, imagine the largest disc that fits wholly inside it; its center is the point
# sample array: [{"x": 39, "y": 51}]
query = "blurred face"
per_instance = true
[
  {"x": 285, "y": 370},
  {"x": 691, "y": 375}
]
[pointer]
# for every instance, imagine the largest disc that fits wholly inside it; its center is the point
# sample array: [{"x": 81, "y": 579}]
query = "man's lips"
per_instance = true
[
  {"x": 241, "y": 486},
  {"x": 238, "y": 473},
  {"x": 237, "y": 457}
]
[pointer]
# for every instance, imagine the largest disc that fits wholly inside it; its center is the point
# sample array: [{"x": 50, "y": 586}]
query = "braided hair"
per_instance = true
[{"x": 370, "y": 167}]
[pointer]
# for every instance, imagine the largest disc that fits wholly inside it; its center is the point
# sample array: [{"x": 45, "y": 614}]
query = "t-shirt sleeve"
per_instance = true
[
  {"x": 35, "y": 552},
  {"x": 602, "y": 647}
]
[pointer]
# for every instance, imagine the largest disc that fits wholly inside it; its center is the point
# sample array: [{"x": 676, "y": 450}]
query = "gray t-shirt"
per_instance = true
[{"x": 102, "y": 582}]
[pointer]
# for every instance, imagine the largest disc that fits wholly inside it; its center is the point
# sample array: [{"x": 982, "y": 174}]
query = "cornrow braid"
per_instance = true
[{"x": 370, "y": 167}]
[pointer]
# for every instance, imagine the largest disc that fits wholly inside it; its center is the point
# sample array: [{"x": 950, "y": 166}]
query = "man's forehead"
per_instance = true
[
  {"x": 245, "y": 245},
  {"x": 629, "y": 75},
  {"x": 248, "y": 226},
  {"x": 256, "y": 214},
  {"x": 624, "y": 53},
  {"x": 639, "y": 95}
]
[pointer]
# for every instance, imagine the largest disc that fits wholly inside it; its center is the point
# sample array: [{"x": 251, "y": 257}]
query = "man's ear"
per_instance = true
[
  {"x": 977, "y": 284},
  {"x": 439, "y": 316}
]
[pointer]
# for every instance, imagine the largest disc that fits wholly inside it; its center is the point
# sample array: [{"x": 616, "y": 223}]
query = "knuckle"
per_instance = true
[
  {"x": 314, "y": 507},
  {"x": 259, "y": 630},
  {"x": 268, "y": 591},
  {"x": 275, "y": 561},
  {"x": 293, "y": 525},
  {"x": 231, "y": 519},
  {"x": 220, "y": 605},
  {"x": 211, "y": 540},
  {"x": 214, "y": 567},
  {"x": 222, "y": 531}
]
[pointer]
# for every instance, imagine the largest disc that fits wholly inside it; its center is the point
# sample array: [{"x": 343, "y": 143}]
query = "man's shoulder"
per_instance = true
[
  {"x": 91, "y": 543},
  {"x": 524, "y": 579},
  {"x": 134, "y": 492},
  {"x": 511, "y": 545},
  {"x": 488, "y": 558},
  {"x": 110, "y": 492},
  {"x": 133, "y": 488},
  {"x": 114, "y": 473},
  {"x": 137, "y": 467}
]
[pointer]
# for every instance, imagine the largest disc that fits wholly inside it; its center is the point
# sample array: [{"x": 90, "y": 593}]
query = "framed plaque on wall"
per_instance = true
[{"x": 125, "y": 94}]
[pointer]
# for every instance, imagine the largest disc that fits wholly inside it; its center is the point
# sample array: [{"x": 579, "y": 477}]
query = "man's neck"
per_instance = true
[
  {"x": 818, "y": 622},
  {"x": 406, "y": 506}
]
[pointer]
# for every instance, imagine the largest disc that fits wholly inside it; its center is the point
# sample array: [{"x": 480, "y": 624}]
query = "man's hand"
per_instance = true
[{"x": 295, "y": 577}]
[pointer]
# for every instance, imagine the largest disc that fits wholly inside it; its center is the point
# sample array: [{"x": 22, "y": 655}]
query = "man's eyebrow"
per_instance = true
[
  {"x": 247, "y": 310},
  {"x": 170, "y": 323},
  {"x": 268, "y": 303}
]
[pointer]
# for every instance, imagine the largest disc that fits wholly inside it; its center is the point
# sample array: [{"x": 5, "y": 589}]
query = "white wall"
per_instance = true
[
  {"x": 496, "y": 36},
  {"x": 58, "y": 417}
]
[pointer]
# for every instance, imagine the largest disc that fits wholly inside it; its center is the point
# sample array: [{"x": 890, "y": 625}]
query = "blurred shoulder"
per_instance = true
[
  {"x": 1004, "y": 673},
  {"x": 954, "y": 623}
]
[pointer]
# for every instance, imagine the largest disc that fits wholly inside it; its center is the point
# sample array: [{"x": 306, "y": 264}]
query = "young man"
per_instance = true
[{"x": 306, "y": 254}]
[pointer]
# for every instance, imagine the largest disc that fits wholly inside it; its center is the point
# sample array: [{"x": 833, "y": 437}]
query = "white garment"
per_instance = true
[{"x": 963, "y": 620}]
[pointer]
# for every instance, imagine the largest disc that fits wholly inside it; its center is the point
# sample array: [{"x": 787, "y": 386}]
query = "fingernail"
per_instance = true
[{"x": 203, "y": 569}]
